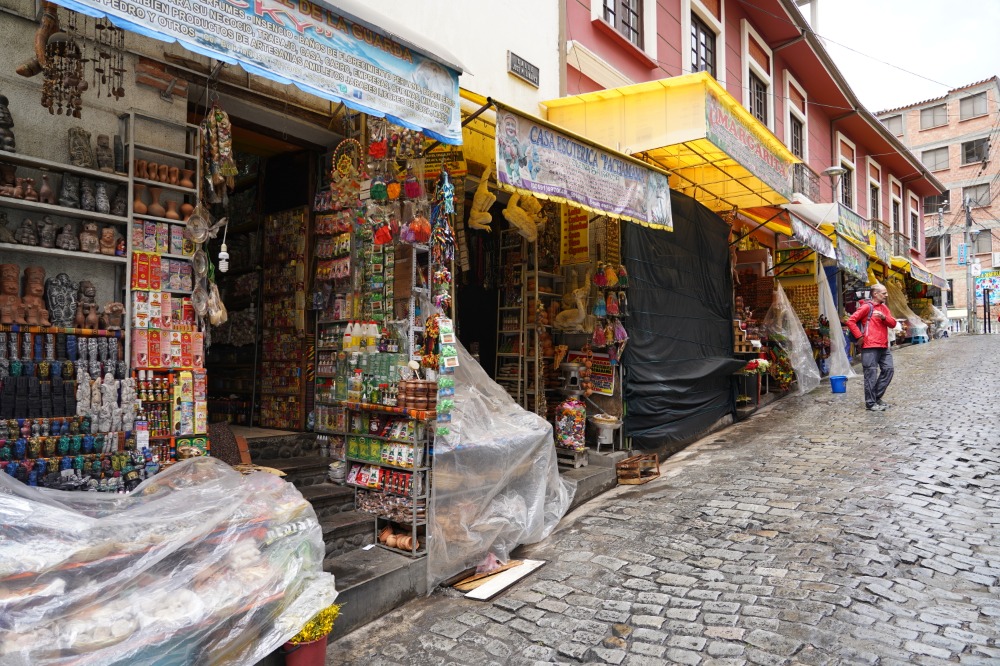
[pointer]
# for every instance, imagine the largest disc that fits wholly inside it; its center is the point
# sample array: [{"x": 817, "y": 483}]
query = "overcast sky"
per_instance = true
[{"x": 952, "y": 43}]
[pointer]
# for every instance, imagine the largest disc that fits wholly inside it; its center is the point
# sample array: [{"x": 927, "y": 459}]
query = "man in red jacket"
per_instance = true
[{"x": 876, "y": 358}]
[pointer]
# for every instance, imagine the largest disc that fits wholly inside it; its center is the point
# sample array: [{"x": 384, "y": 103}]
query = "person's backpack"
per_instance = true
[{"x": 863, "y": 325}]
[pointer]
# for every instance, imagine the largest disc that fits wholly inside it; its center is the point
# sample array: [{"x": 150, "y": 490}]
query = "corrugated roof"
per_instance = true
[{"x": 995, "y": 79}]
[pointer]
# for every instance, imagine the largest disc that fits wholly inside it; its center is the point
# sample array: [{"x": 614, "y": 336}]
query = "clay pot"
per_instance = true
[
  {"x": 156, "y": 209},
  {"x": 173, "y": 175},
  {"x": 151, "y": 172},
  {"x": 139, "y": 206},
  {"x": 185, "y": 178},
  {"x": 164, "y": 173},
  {"x": 171, "y": 212},
  {"x": 186, "y": 210},
  {"x": 391, "y": 541},
  {"x": 140, "y": 169},
  {"x": 384, "y": 534},
  {"x": 404, "y": 542}
]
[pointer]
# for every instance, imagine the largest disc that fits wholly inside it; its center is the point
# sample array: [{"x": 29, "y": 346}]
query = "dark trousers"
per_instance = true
[{"x": 877, "y": 364}]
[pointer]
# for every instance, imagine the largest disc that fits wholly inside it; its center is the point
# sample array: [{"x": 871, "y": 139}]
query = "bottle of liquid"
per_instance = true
[{"x": 345, "y": 342}]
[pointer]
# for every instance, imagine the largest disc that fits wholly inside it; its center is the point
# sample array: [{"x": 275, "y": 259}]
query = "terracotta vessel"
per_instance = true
[
  {"x": 151, "y": 172},
  {"x": 186, "y": 210},
  {"x": 185, "y": 179},
  {"x": 171, "y": 212},
  {"x": 155, "y": 209},
  {"x": 139, "y": 206},
  {"x": 173, "y": 175},
  {"x": 140, "y": 169},
  {"x": 164, "y": 173}
]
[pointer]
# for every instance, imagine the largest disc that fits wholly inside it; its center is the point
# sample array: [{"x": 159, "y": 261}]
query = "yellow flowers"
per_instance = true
[{"x": 318, "y": 627}]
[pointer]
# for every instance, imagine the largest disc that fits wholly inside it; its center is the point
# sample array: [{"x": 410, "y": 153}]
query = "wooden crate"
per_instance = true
[
  {"x": 638, "y": 469},
  {"x": 571, "y": 459}
]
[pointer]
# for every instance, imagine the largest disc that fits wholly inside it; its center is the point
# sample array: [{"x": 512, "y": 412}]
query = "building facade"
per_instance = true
[
  {"x": 768, "y": 58},
  {"x": 952, "y": 136}
]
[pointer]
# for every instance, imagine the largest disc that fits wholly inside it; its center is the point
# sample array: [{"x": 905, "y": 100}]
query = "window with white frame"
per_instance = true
[
  {"x": 847, "y": 188},
  {"x": 702, "y": 46},
  {"x": 896, "y": 205},
  {"x": 934, "y": 116},
  {"x": 935, "y": 159},
  {"x": 935, "y": 244},
  {"x": 874, "y": 190},
  {"x": 984, "y": 242},
  {"x": 975, "y": 151},
  {"x": 914, "y": 228},
  {"x": 933, "y": 203},
  {"x": 977, "y": 195},
  {"x": 847, "y": 152},
  {"x": 897, "y": 212},
  {"x": 626, "y": 17},
  {"x": 711, "y": 15},
  {"x": 757, "y": 68},
  {"x": 894, "y": 124},
  {"x": 972, "y": 106},
  {"x": 797, "y": 125}
]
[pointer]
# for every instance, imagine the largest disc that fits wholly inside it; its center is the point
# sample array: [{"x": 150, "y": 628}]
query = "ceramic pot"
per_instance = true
[
  {"x": 156, "y": 209},
  {"x": 171, "y": 212},
  {"x": 173, "y": 175},
  {"x": 186, "y": 210},
  {"x": 140, "y": 169},
  {"x": 139, "y": 206},
  {"x": 151, "y": 173},
  {"x": 164, "y": 173},
  {"x": 185, "y": 178}
]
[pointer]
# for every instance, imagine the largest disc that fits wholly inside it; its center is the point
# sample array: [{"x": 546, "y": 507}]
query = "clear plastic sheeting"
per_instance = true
[
  {"x": 496, "y": 479},
  {"x": 840, "y": 365},
  {"x": 198, "y": 565},
  {"x": 900, "y": 309},
  {"x": 935, "y": 319},
  {"x": 783, "y": 326}
]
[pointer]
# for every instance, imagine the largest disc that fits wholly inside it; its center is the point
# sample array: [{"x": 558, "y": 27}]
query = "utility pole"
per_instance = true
[
  {"x": 970, "y": 294},
  {"x": 943, "y": 250}
]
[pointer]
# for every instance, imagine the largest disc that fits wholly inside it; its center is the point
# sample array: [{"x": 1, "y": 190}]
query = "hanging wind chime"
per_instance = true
[
  {"x": 109, "y": 59},
  {"x": 63, "y": 74},
  {"x": 217, "y": 154}
]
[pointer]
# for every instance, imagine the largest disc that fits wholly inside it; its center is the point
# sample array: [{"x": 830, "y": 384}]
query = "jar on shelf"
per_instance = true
[{"x": 571, "y": 424}]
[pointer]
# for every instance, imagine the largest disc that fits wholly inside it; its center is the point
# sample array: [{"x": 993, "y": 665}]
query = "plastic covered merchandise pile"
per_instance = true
[
  {"x": 901, "y": 310},
  {"x": 198, "y": 565},
  {"x": 785, "y": 328},
  {"x": 839, "y": 363},
  {"x": 496, "y": 479}
]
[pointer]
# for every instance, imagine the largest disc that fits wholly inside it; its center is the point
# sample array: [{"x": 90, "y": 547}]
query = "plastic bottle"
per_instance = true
[
  {"x": 357, "y": 336},
  {"x": 345, "y": 343}
]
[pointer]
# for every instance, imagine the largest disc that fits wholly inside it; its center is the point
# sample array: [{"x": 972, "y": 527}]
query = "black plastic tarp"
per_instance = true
[{"x": 679, "y": 360}]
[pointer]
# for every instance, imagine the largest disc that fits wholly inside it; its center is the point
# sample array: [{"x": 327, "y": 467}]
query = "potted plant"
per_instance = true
[{"x": 308, "y": 647}]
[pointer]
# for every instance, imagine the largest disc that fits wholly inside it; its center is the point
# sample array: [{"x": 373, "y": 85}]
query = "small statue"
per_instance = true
[
  {"x": 47, "y": 234},
  {"x": 5, "y": 235},
  {"x": 104, "y": 155},
  {"x": 81, "y": 153},
  {"x": 88, "y": 238},
  {"x": 80, "y": 317},
  {"x": 103, "y": 203},
  {"x": 92, "y": 318},
  {"x": 67, "y": 240},
  {"x": 113, "y": 317},
  {"x": 88, "y": 198},
  {"x": 26, "y": 233},
  {"x": 119, "y": 205},
  {"x": 34, "y": 289},
  {"x": 11, "y": 310},
  {"x": 8, "y": 172},
  {"x": 30, "y": 194},
  {"x": 120, "y": 249},
  {"x": 6, "y": 123},
  {"x": 46, "y": 194},
  {"x": 18, "y": 192},
  {"x": 69, "y": 195},
  {"x": 61, "y": 296},
  {"x": 107, "y": 243},
  {"x": 87, "y": 293}
]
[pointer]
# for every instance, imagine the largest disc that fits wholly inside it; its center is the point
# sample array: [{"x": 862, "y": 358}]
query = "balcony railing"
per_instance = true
[
  {"x": 900, "y": 245},
  {"x": 805, "y": 181}
]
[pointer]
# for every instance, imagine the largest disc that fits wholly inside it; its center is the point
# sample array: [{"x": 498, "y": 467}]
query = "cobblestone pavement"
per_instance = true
[{"x": 812, "y": 533}]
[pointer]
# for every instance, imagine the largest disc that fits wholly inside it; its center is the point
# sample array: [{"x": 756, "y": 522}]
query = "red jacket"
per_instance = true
[{"x": 876, "y": 335}]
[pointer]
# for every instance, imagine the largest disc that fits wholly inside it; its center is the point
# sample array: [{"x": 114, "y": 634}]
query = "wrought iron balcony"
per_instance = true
[
  {"x": 805, "y": 181},
  {"x": 900, "y": 244}
]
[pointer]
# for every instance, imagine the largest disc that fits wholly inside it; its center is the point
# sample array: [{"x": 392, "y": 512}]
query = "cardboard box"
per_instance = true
[
  {"x": 200, "y": 386},
  {"x": 162, "y": 237},
  {"x": 175, "y": 350},
  {"x": 198, "y": 350},
  {"x": 140, "y": 270},
  {"x": 186, "y": 275},
  {"x": 138, "y": 234},
  {"x": 149, "y": 237},
  {"x": 200, "y": 417},
  {"x": 176, "y": 239},
  {"x": 140, "y": 348},
  {"x": 186, "y": 352},
  {"x": 155, "y": 351},
  {"x": 155, "y": 310},
  {"x": 175, "y": 275},
  {"x": 154, "y": 272}
]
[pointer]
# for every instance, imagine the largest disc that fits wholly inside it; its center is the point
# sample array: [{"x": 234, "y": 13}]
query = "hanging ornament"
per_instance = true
[{"x": 63, "y": 75}]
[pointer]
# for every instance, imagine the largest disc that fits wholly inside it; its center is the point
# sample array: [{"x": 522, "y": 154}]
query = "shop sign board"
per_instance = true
[
  {"x": 522, "y": 69},
  {"x": 812, "y": 237},
  {"x": 746, "y": 145},
  {"x": 310, "y": 44},
  {"x": 963, "y": 254},
  {"x": 539, "y": 158},
  {"x": 852, "y": 259},
  {"x": 852, "y": 225},
  {"x": 919, "y": 274},
  {"x": 883, "y": 250},
  {"x": 988, "y": 280},
  {"x": 574, "y": 236},
  {"x": 602, "y": 373}
]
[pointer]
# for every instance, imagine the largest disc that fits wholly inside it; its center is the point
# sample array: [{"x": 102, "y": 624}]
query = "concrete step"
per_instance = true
[
  {"x": 267, "y": 446},
  {"x": 328, "y": 499},
  {"x": 347, "y": 531},
  {"x": 591, "y": 481},
  {"x": 301, "y": 470},
  {"x": 373, "y": 582}
]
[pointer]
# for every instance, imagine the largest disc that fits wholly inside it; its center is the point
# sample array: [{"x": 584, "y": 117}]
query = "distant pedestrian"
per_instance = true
[{"x": 871, "y": 323}]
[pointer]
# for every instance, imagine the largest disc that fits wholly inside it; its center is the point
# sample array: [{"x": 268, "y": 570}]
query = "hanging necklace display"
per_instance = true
[
  {"x": 346, "y": 174},
  {"x": 63, "y": 73},
  {"x": 109, "y": 59}
]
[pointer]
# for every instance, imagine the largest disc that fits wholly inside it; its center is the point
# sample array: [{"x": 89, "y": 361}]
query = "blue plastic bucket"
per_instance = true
[{"x": 838, "y": 384}]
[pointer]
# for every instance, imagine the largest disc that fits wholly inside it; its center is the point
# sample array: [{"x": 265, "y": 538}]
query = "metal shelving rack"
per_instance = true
[{"x": 511, "y": 303}]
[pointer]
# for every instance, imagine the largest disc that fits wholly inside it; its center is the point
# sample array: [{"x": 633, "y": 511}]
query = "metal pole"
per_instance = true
[
  {"x": 943, "y": 250},
  {"x": 987, "y": 324},
  {"x": 970, "y": 302}
]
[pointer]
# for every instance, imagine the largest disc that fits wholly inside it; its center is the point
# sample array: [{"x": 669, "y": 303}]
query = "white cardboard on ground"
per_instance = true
[{"x": 503, "y": 580}]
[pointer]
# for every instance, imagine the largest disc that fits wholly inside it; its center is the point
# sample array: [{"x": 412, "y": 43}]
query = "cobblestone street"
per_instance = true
[{"x": 815, "y": 532}]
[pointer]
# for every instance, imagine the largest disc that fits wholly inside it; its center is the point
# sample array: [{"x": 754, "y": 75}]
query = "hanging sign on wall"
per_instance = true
[
  {"x": 317, "y": 48},
  {"x": 574, "y": 236},
  {"x": 545, "y": 161}
]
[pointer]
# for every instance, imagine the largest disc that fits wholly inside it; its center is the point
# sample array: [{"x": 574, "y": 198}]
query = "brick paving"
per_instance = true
[{"x": 812, "y": 533}]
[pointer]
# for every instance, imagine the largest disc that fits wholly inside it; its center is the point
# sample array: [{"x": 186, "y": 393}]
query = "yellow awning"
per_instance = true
[{"x": 714, "y": 149}]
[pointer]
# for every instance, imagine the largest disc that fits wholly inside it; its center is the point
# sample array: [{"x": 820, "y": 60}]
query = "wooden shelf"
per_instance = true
[
  {"x": 158, "y": 219},
  {"x": 48, "y": 165},
  {"x": 146, "y": 148},
  {"x": 59, "y": 211},
  {"x": 73, "y": 254},
  {"x": 166, "y": 186}
]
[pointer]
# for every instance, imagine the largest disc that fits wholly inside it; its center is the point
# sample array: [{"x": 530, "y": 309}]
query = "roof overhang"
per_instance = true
[{"x": 714, "y": 150}]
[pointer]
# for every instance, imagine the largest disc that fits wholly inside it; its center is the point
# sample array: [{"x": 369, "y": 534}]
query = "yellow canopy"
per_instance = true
[{"x": 714, "y": 149}]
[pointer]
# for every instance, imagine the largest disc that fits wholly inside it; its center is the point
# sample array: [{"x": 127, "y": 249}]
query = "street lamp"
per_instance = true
[{"x": 834, "y": 173}]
